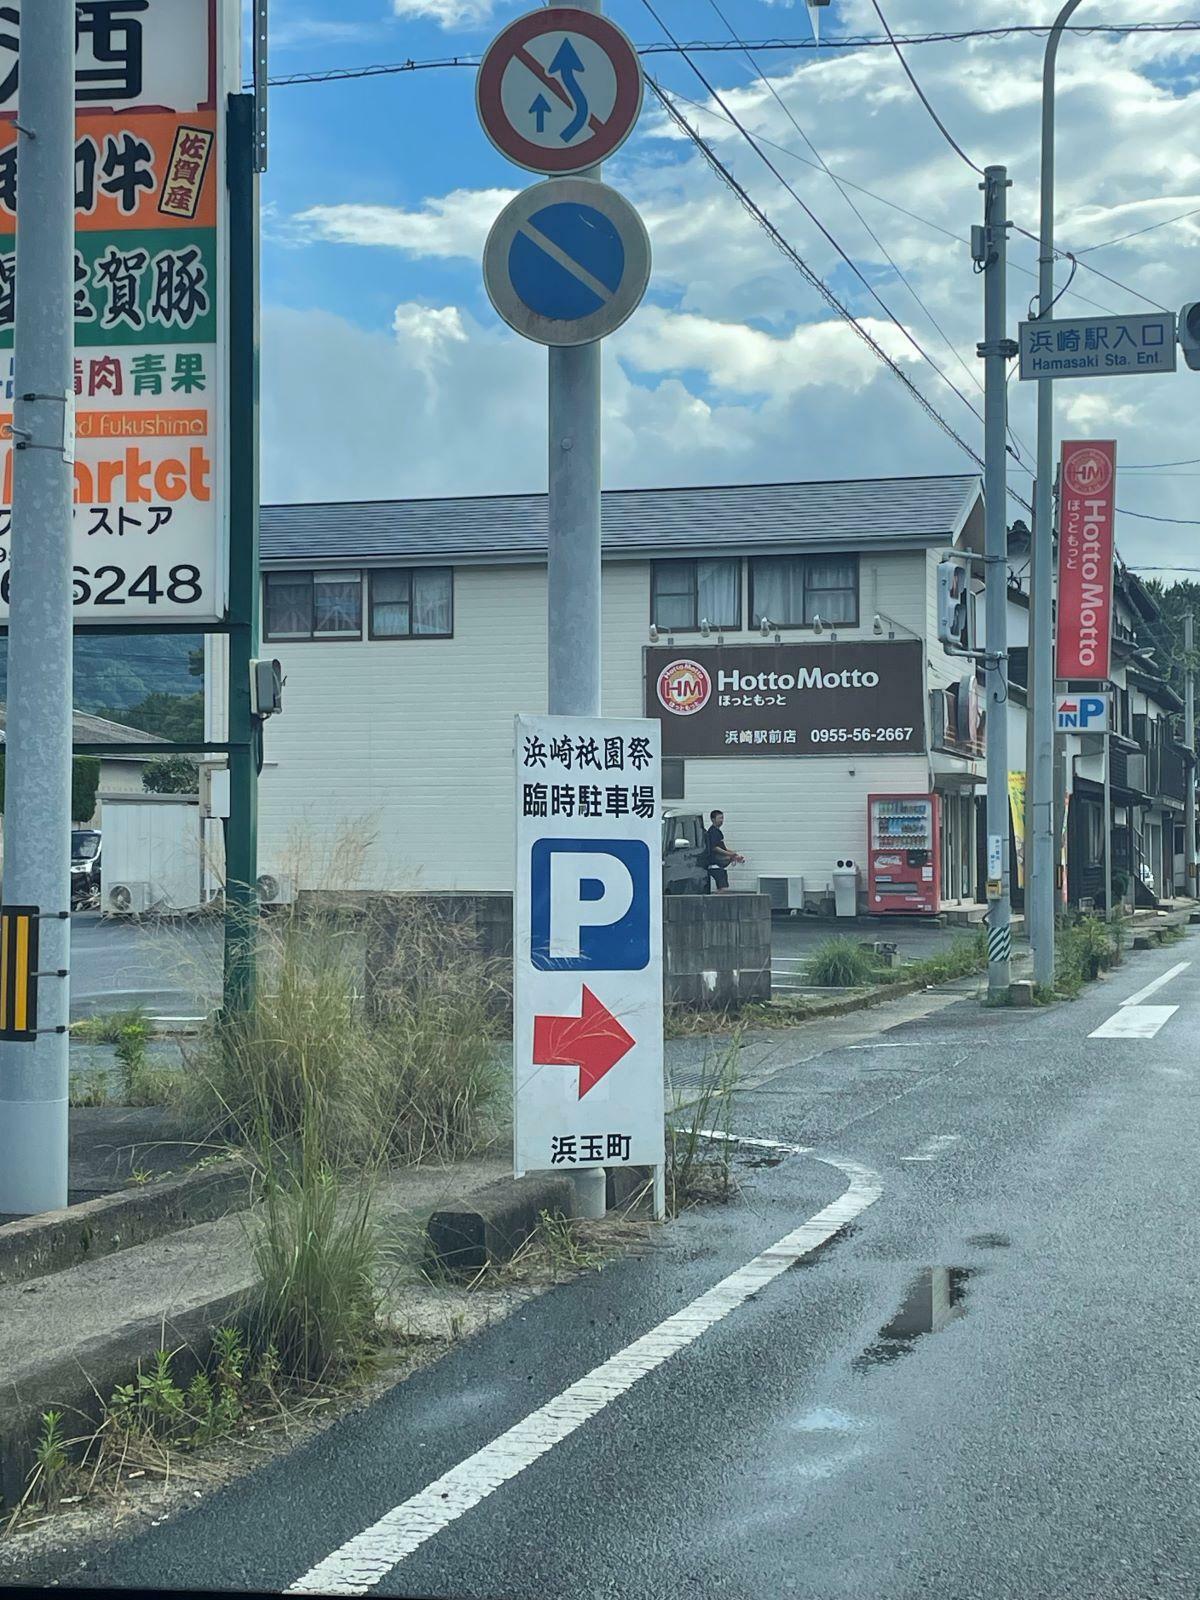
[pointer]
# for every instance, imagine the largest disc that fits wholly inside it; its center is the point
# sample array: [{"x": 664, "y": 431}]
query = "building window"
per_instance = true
[
  {"x": 313, "y": 605},
  {"x": 1093, "y": 817},
  {"x": 672, "y": 778},
  {"x": 792, "y": 591},
  {"x": 412, "y": 603},
  {"x": 683, "y": 594}
]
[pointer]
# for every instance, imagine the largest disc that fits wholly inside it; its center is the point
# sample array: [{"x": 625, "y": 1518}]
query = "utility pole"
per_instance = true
[
  {"x": 1040, "y": 863},
  {"x": 1108, "y": 813},
  {"x": 1189, "y": 738},
  {"x": 996, "y": 351},
  {"x": 241, "y": 835},
  {"x": 34, "y": 1071},
  {"x": 573, "y": 566}
]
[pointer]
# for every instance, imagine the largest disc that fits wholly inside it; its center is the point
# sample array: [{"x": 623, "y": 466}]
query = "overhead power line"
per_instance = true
[
  {"x": 816, "y": 221},
  {"x": 381, "y": 69}
]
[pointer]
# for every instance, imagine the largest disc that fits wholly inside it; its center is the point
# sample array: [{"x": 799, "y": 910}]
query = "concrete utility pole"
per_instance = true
[
  {"x": 573, "y": 565},
  {"x": 996, "y": 351},
  {"x": 33, "y": 1072},
  {"x": 1189, "y": 738},
  {"x": 1040, "y": 864}
]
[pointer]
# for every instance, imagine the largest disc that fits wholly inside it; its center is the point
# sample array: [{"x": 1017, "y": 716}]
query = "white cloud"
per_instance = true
[
  {"x": 455, "y": 224},
  {"x": 449, "y": 13},
  {"x": 734, "y": 369}
]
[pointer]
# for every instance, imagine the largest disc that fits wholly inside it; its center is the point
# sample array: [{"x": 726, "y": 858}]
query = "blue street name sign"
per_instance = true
[{"x": 1098, "y": 347}]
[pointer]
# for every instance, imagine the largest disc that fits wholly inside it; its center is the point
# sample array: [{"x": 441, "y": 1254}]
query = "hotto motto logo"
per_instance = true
[
  {"x": 1088, "y": 472},
  {"x": 684, "y": 688}
]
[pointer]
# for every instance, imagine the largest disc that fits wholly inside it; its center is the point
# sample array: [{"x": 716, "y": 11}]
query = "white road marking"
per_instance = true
[
  {"x": 932, "y": 1148},
  {"x": 1152, "y": 988},
  {"x": 365, "y": 1560},
  {"x": 756, "y": 1144},
  {"x": 1134, "y": 1022}
]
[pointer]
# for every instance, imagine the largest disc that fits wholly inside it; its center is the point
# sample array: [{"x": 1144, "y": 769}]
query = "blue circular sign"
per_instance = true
[{"x": 567, "y": 261}]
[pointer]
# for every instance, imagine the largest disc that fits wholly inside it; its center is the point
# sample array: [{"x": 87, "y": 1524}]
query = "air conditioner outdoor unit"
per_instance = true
[
  {"x": 276, "y": 889},
  {"x": 785, "y": 894},
  {"x": 130, "y": 899}
]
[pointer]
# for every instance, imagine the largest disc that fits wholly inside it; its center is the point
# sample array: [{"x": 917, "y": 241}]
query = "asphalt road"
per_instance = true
[
  {"x": 168, "y": 968},
  {"x": 982, "y": 1385}
]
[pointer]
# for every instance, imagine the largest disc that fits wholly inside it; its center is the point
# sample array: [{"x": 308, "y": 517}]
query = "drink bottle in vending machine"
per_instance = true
[{"x": 904, "y": 871}]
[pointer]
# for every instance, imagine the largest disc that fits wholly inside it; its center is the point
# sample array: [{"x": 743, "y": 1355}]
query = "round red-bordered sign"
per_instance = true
[{"x": 559, "y": 90}]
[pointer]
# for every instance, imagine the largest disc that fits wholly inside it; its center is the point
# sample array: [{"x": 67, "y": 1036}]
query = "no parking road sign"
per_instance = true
[
  {"x": 587, "y": 924},
  {"x": 567, "y": 261},
  {"x": 558, "y": 91}
]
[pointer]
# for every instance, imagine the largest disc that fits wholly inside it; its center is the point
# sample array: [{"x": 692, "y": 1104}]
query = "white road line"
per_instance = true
[
  {"x": 757, "y": 1144},
  {"x": 1134, "y": 1022},
  {"x": 365, "y": 1560},
  {"x": 1153, "y": 988},
  {"x": 932, "y": 1148}
]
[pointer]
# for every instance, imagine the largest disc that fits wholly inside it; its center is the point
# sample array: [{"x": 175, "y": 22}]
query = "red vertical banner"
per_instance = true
[{"x": 1087, "y": 489}]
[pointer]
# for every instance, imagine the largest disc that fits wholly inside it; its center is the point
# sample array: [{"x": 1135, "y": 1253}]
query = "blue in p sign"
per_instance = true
[{"x": 590, "y": 905}]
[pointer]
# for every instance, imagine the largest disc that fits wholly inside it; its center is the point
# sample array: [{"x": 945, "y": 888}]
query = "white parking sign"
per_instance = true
[{"x": 587, "y": 1002}]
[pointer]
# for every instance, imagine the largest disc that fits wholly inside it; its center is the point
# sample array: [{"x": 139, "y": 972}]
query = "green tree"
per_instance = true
[
  {"x": 85, "y": 783},
  {"x": 179, "y": 718},
  {"x": 171, "y": 775}
]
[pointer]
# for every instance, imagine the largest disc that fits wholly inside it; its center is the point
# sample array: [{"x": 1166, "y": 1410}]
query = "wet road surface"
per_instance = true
[{"x": 981, "y": 1385}]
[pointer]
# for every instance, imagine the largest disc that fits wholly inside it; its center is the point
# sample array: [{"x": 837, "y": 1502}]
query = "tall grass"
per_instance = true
[
  {"x": 327, "y": 1093},
  {"x": 699, "y": 1167},
  {"x": 841, "y": 963}
]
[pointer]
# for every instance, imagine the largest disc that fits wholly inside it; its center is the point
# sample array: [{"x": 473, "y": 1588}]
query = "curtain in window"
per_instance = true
[
  {"x": 779, "y": 592},
  {"x": 431, "y": 605},
  {"x": 831, "y": 591},
  {"x": 391, "y": 613},
  {"x": 289, "y": 604},
  {"x": 337, "y": 602},
  {"x": 717, "y": 593}
]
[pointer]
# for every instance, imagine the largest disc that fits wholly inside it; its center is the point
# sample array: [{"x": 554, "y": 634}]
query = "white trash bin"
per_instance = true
[{"x": 845, "y": 889}]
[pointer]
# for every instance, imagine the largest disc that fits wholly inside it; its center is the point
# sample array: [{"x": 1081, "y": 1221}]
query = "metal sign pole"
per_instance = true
[
  {"x": 34, "y": 1071},
  {"x": 995, "y": 352},
  {"x": 573, "y": 567},
  {"x": 1108, "y": 716}
]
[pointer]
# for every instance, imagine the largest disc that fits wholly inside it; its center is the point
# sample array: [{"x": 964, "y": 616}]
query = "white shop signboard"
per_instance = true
[{"x": 588, "y": 997}]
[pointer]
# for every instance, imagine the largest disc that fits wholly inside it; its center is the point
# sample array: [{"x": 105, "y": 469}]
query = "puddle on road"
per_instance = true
[
  {"x": 935, "y": 1299},
  {"x": 989, "y": 1241}
]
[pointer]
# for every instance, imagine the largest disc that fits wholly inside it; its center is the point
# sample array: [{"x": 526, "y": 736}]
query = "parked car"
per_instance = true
[
  {"x": 85, "y": 868},
  {"x": 684, "y": 853}
]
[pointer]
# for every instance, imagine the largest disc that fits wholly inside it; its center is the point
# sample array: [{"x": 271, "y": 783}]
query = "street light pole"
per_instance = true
[
  {"x": 1041, "y": 874},
  {"x": 996, "y": 352}
]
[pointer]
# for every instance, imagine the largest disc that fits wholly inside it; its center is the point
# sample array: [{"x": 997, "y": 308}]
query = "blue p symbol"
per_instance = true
[{"x": 590, "y": 905}]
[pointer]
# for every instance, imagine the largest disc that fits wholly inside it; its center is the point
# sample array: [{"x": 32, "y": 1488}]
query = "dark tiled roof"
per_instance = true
[
  {"x": 95, "y": 730},
  {"x": 849, "y": 512}
]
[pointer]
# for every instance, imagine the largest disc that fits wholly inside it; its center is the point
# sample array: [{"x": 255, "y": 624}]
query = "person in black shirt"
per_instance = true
[{"x": 720, "y": 856}]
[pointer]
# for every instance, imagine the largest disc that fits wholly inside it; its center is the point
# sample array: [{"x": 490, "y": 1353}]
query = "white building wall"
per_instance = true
[{"x": 392, "y": 764}]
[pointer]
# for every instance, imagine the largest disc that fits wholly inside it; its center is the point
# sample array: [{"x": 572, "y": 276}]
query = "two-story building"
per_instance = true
[{"x": 411, "y": 632}]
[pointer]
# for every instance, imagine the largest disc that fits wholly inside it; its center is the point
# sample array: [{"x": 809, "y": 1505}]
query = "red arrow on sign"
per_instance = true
[{"x": 594, "y": 1042}]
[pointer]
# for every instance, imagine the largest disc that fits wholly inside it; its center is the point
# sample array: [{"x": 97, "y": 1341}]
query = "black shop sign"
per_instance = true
[{"x": 861, "y": 696}]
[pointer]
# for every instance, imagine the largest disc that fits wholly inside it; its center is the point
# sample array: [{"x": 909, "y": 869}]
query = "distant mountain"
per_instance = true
[{"x": 113, "y": 674}]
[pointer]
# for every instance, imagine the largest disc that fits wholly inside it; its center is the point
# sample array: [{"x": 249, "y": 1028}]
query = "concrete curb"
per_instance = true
[
  {"x": 493, "y": 1224},
  {"x": 81, "y": 1383},
  {"x": 57, "y": 1240}
]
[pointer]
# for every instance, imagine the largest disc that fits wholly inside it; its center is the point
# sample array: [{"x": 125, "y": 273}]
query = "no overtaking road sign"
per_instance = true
[
  {"x": 567, "y": 261},
  {"x": 558, "y": 91}
]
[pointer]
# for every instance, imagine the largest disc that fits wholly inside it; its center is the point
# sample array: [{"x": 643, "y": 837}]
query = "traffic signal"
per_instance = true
[
  {"x": 1189, "y": 334},
  {"x": 954, "y": 604}
]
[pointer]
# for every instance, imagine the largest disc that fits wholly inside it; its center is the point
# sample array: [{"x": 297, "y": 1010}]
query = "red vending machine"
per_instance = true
[{"x": 905, "y": 854}]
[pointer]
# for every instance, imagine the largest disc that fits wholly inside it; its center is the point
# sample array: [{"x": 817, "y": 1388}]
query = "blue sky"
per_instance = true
[{"x": 387, "y": 373}]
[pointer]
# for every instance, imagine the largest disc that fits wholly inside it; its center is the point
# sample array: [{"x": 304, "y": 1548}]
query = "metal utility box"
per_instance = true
[{"x": 153, "y": 859}]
